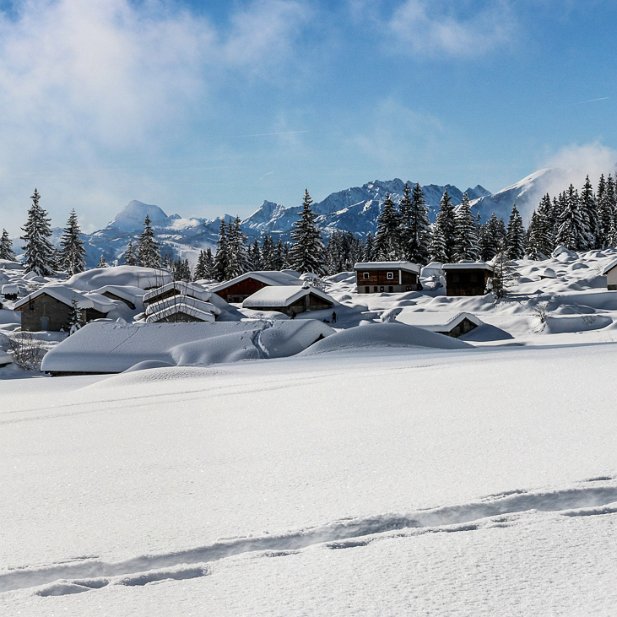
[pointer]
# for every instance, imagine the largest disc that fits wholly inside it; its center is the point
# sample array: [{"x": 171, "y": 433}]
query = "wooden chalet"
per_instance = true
[
  {"x": 289, "y": 299},
  {"x": 181, "y": 309},
  {"x": 176, "y": 288},
  {"x": 610, "y": 272},
  {"x": 241, "y": 287},
  {"x": 450, "y": 324},
  {"x": 387, "y": 276},
  {"x": 50, "y": 307},
  {"x": 467, "y": 278}
]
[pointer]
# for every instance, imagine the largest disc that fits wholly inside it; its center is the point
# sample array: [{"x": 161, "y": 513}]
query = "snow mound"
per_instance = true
[
  {"x": 133, "y": 276},
  {"x": 385, "y": 335}
]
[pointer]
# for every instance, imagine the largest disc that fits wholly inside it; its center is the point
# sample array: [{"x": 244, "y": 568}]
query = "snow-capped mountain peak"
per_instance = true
[{"x": 132, "y": 216}]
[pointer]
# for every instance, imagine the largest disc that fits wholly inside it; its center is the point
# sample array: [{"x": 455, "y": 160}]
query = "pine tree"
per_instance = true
[
  {"x": 254, "y": 257},
  {"x": 75, "y": 318},
  {"x": 387, "y": 239},
  {"x": 221, "y": 255},
  {"x": 590, "y": 207},
  {"x": 6, "y": 247},
  {"x": 72, "y": 255},
  {"x": 181, "y": 270},
  {"x": 307, "y": 251},
  {"x": 130, "y": 258},
  {"x": 444, "y": 231},
  {"x": 267, "y": 253},
  {"x": 415, "y": 228},
  {"x": 39, "y": 252},
  {"x": 515, "y": 235},
  {"x": 203, "y": 268},
  {"x": 369, "y": 249},
  {"x": 466, "y": 245},
  {"x": 147, "y": 248},
  {"x": 102, "y": 263},
  {"x": 572, "y": 231},
  {"x": 280, "y": 259},
  {"x": 237, "y": 257},
  {"x": 492, "y": 237}
]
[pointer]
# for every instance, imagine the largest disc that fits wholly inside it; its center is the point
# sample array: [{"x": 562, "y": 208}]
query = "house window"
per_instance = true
[
  {"x": 390, "y": 288},
  {"x": 366, "y": 275},
  {"x": 367, "y": 290},
  {"x": 390, "y": 276}
]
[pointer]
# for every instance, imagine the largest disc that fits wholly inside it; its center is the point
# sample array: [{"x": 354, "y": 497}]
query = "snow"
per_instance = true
[
  {"x": 134, "y": 276},
  {"x": 103, "y": 347},
  {"x": 180, "y": 307},
  {"x": 407, "y": 266},
  {"x": 268, "y": 277},
  {"x": 66, "y": 295},
  {"x": 187, "y": 301},
  {"x": 434, "y": 321},
  {"x": 385, "y": 470},
  {"x": 187, "y": 289},
  {"x": 468, "y": 265}
]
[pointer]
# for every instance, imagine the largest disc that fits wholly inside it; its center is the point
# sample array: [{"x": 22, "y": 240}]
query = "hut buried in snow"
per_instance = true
[
  {"x": 289, "y": 299},
  {"x": 467, "y": 278},
  {"x": 450, "y": 324},
  {"x": 241, "y": 287}
]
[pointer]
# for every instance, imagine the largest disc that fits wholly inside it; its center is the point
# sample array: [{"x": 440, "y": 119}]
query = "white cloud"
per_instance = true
[
  {"x": 442, "y": 28},
  {"x": 84, "y": 84}
]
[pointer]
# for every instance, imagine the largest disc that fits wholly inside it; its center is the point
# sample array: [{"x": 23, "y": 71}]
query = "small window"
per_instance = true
[
  {"x": 390, "y": 276},
  {"x": 366, "y": 275},
  {"x": 390, "y": 288},
  {"x": 367, "y": 290}
]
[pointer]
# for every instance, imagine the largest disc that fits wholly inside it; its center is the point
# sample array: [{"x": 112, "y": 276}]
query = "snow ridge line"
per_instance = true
[{"x": 584, "y": 501}]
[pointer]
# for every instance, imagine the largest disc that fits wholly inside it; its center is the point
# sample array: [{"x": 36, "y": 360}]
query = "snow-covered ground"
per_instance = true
[{"x": 383, "y": 471}]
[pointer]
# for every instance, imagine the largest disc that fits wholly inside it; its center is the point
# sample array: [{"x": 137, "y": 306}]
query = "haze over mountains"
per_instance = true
[{"x": 353, "y": 209}]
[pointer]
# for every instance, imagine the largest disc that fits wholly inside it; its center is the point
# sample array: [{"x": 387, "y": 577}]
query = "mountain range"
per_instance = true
[{"x": 353, "y": 209}]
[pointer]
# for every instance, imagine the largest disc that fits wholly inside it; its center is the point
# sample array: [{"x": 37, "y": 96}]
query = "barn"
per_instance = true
[
  {"x": 289, "y": 299},
  {"x": 241, "y": 287},
  {"x": 467, "y": 278}
]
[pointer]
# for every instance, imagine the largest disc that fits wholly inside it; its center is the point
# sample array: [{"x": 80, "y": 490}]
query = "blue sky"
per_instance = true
[{"x": 213, "y": 106}]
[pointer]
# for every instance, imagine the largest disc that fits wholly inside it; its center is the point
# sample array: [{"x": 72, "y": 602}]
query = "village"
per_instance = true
[{"x": 109, "y": 320}]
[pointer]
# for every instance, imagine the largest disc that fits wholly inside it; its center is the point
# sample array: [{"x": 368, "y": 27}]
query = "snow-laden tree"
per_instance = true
[
  {"x": 130, "y": 257},
  {"x": 6, "y": 246},
  {"x": 387, "y": 239},
  {"x": 607, "y": 208},
  {"x": 38, "y": 251},
  {"x": 267, "y": 253},
  {"x": 205, "y": 265},
  {"x": 221, "y": 257},
  {"x": 254, "y": 256},
  {"x": 307, "y": 249},
  {"x": 590, "y": 208},
  {"x": 181, "y": 270},
  {"x": 102, "y": 262},
  {"x": 147, "y": 248},
  {"x": 75, "y": 317},
  {"x": 237, "y": 257},
  {"x": 538, "y": 245},
  {"x": 72, "y": 255},
  {"x": 466, "y": 245},
  {"x": 515, "y": 235},
  {"x": 492, "y": 237},
  {"x": 444, "y": 231},
  {"x": 415, "y": 233},
  {"x": 369, "y": 248},
  {"x": 343, "y": 251},
  {"x": 572, "y": 230}
]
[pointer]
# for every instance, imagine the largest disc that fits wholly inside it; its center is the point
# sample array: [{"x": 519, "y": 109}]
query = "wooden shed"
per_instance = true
[
  {"x": 467, "y": 278},
  {"x": 610, "y": 272},
  {"x": 49, "y": 308},
  {"x": 241, "y": 287},
  {"x": 181, "y": 308},
  {"x": 176, "y": 288},
  {"x": 289, "y": 299},
  {"x": 387, "y": 276}
]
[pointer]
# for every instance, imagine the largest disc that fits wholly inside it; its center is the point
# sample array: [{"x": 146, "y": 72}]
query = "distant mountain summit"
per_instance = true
[{"x": 354, "y": 209}]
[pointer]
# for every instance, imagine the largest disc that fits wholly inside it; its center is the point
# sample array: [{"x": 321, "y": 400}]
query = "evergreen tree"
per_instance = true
[
  {"x": 102, "y": 263},
  {"x": 590, "y": 208},
  {"x": 466, "y": 244},
  {"x": 492, "y": 237},
  {"x": 538, "y": 244},
  {"x": 515, "y": 235},
  {"x": 307, "y": 251},
  {"x": 369, "y": 249},
  {"x": 6, "y": 247},
  {"x": 39, "y": 252},
  {"x": 387, "y": 239},
  {"x": 254, "y": 257},
  {"x": 415, "y": 227},
  {"x": 181, "y": 270},
  {"x": 147, "y": 248},
  {"x": 130, "y": 257},
  {"x": 443, "y": 243},
  {"x": 205, "y": 265},
  {"x": 221, "y": 257},
  {"x": 267, "y": 253},
  {"x": 343, "y": 251},
  {"x": 76, "y": 320},
  {"x": 280, "y": 256},
  {"x": 572, "y": 231},
  {"x": 237, "y": 257},
  {"x": 72, "y": 255}
]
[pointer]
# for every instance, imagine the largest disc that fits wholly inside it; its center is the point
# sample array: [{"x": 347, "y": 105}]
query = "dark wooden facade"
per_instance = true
[
  {"x": 113, "y": 296},
  {"x": 47, "y": 313},
  {"x": 466, "y": 325},
  {"x": 240, "y": 291},
  {"x": 390, "y": 281},
  {"x": 467, "y": 282}
]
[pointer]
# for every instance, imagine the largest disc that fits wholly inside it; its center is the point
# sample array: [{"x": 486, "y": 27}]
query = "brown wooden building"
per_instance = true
[
  {"x": 467, "y": 278},
  {"x": 387, "y": 276},
  {"x": 241, "y": 287},
  {"x": 49, "y": 308}
]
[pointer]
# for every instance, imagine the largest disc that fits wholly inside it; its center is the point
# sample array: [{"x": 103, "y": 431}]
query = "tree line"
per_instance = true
[{"x": 579, "y": 220}]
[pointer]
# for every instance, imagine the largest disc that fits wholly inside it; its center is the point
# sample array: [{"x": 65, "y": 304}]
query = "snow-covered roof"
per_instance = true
[
  {"x": 435, "y": 321},
  {"x": 112, "y": 347},
  {"x": 180, "y": 307},
  {"x": 407, "y": 266},
  {"x": 182, "y": 287},
  {"x": 468, "y": 265},
  {"x": 282, "y": 296},
  {"x": 66, "y": 295},
  {"x": 8, "y": 264},
  {"x": 267, "y": 277},
  {"x": 609, "y": 267},
  {"x": 187, "y": 301},
  {"x": 9, "y": 289},
  {"x": 135, "y": 276},
  {"x": 126, "y": 292}
]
